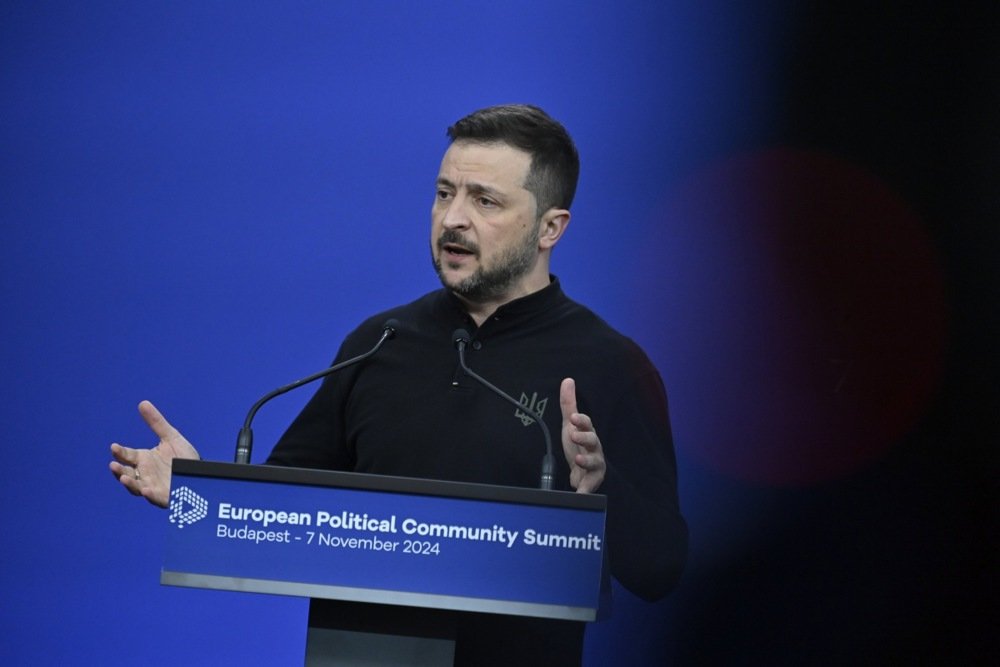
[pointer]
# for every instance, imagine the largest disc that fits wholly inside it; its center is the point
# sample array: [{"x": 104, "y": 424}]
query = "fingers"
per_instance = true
[
  {"x": 590, "y": 456},
  {"x": 587, "y": 473},
  {"x": 156, "y": 421},
  {"x": 125, "y": 455},
  {"x": 125, "y": 467},
  {"x": 127, "y": 476},
  {"x": 146, "y": 472},
  {"x": 567, "y": 397},
  {"x": 579, "y": 422},
  {"x": 583, "y": 432},
  {"x": 580, "y": 442}
]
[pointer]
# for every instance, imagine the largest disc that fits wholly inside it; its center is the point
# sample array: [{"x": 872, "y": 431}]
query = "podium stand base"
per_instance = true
[
  {"x": 341, "y": 648},
  {"x": 357, "y": 634}
]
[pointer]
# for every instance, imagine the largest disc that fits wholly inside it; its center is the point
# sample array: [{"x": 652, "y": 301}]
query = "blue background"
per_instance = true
[{"x": 791, "y": 206}]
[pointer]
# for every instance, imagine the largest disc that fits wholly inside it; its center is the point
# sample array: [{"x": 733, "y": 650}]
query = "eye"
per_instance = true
[
  {"x": 486, "y": 202},
  {"x": 443, "y": 195}
]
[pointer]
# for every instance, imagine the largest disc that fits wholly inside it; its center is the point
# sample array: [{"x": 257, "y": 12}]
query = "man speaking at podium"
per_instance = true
[{"x": 501, "y": 204}]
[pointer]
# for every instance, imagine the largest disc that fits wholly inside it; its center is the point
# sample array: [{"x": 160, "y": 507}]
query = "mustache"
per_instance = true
[{"x": 452, "y": 236}]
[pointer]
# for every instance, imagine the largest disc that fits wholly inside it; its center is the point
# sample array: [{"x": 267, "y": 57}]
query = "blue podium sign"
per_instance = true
[{"x": 400, "y": 541}]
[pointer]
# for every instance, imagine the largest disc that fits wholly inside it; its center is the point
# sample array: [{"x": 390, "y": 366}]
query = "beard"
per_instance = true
[{"x": 489, "y": 283}]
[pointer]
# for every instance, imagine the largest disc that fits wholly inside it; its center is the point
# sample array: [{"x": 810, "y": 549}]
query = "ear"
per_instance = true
[{"x": 553, "y": 224}]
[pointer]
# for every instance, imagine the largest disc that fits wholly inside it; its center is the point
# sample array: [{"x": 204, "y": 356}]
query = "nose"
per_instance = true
[{"x": 456, "y": 215}]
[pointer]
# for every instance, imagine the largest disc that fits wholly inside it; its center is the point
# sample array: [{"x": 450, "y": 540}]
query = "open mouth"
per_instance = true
[{"x": 455, "y": 249}]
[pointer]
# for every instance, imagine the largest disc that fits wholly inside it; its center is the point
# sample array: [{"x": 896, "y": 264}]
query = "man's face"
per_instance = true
[{"x": 484, "y": 229}]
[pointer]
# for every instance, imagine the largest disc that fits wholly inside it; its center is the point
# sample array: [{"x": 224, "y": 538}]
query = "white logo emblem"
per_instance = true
[
  {"x": 532, "y": 404},
  {"x": 186, "y": 507}
]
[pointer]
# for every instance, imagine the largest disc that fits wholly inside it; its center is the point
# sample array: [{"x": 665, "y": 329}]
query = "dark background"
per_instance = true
[{"x": 791, "y": 206}]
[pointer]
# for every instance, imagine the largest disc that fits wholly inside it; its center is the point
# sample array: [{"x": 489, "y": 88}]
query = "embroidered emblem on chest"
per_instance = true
[{"x": 531, "y": 404}]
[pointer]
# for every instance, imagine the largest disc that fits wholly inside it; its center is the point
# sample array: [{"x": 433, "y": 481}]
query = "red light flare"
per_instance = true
[{"x": 811, "y": 302}]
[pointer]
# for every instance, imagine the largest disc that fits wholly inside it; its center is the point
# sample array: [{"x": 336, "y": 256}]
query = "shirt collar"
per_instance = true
[{"x": 525, "y": 307}]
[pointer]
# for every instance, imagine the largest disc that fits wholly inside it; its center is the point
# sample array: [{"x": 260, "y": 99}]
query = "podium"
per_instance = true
[{"x": 391, "y": 564}]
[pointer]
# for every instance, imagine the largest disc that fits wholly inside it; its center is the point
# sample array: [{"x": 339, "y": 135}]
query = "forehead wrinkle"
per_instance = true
[{"x": 464, "y": 157}]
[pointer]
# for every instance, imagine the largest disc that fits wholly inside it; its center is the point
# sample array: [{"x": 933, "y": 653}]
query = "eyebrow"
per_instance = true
[{"x": 474, "y": 188}]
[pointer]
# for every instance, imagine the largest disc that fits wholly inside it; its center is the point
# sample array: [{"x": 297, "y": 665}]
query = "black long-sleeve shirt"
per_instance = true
[{"x": 411, "y": 411}]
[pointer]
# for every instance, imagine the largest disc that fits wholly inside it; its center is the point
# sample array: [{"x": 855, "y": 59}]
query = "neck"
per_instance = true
[
  {"x": 479, "y": 312},
  {"x": 482, "y": 310}
]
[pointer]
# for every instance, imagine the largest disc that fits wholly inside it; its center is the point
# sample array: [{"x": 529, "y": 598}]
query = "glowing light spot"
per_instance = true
[{"x": 809, "y": 305}]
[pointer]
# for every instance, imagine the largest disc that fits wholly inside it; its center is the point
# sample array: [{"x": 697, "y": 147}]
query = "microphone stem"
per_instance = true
[
  {"x": 244, "y": 443},
  {"x": 548, "y": 462}
]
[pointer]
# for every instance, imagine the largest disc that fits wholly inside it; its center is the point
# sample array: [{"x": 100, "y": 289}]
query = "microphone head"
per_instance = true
[
  {"x": 460, "y": 337},
  {"x": 390, "y": 327}
]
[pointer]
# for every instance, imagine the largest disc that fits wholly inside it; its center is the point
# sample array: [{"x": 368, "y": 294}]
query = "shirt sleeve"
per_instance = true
[{"x": 647, "y": 537}]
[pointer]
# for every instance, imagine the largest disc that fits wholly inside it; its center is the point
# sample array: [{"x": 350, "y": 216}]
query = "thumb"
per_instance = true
[
  {"x": 157, "y": 422},
  {"x": 567, "y": 397}
]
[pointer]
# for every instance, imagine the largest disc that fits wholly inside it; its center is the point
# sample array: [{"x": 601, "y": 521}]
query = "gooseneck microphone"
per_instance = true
[
  {"x": 461, "y": 338},
  {"x": 244, "y": 443}
]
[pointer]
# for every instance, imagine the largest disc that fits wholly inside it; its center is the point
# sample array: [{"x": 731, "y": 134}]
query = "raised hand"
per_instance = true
[
  {"x": 581, "y": 445},
  {"x": 146, "y": 472}
]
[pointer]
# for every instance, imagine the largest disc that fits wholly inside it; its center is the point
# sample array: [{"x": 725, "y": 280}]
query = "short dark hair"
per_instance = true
[{"x": 555, "y": 164}]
